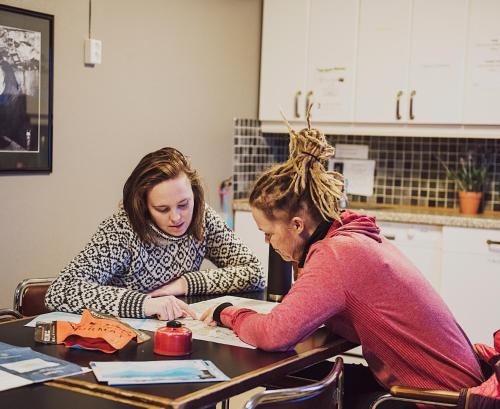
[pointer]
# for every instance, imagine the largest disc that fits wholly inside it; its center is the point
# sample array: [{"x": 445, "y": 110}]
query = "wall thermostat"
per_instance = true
[{"x": 93, "y": 51}]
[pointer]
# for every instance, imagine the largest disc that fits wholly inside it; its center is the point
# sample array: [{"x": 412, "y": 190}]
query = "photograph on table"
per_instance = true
[{"x": 26, "y": 85}]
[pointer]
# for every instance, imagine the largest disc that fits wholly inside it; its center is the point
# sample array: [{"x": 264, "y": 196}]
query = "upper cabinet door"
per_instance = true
[
  {"x": 482, "y": 81},
  {"x": 283, "y": 59},
  {"x": 382, "y": 63},
  {"x": 331, "y": 59},
  {"x": 436, "y": 74}
]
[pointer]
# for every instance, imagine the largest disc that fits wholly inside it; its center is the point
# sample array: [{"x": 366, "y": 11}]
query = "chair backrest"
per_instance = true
[
  {"x": 29, "y": 297},
  {"x": 8, "y": 314},
  {"x": 329, "y": 390}
]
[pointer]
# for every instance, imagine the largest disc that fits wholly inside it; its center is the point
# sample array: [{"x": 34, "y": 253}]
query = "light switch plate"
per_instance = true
[{"x": 93, "y": 51}]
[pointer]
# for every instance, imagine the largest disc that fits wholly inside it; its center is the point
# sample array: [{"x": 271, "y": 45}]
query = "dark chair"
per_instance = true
[
  {"x": 328, "y": 391},
  {"x": 29, "y": 297},
  {"x": 7, "y": 314}
]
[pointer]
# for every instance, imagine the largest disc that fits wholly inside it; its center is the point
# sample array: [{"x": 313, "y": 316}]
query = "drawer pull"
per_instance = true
[
  {"x": 398, "y": 97},
  {"x": 492, "y": 242},
  {"x": 390, "y": 236},
  {"x": 413, "y": 93}
]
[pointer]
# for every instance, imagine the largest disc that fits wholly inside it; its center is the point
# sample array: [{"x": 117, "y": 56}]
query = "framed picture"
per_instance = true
[{"x": 26, "y": 90}]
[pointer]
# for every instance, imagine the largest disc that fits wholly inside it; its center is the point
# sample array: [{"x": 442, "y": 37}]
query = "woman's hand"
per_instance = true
[
  {"x": 167, "y": 308},
  {"x": 208, "y": 317},
  {"x": 176, "y": 287}
]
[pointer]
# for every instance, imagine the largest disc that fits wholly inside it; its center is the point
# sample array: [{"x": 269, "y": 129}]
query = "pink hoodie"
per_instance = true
[{"x": 364, "y": 289}]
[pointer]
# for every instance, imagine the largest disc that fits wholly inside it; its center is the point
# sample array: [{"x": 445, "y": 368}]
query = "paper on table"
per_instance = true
[
  {"x": 263, "y": 307},
  {"x": 137, "y": 323},
  {"x": 54, "y": 316},
  {"x": 10, "y": 381},
  {"x": 199, "y": 329},
  {"x": 140, "y": 372},
  {"x": 21, "y": 366},
  {"x": 223, "y": 335}
]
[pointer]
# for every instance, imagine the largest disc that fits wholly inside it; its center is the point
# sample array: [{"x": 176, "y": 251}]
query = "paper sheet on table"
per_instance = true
[
  {"x": 21, "y": 366},
  {"x": 200, "y": 330},
  {"x": 150, "y": 372},
  {"x": 223, "y": 335}
]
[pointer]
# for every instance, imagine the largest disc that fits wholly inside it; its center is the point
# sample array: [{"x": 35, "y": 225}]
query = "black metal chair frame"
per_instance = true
[
  {"x": 23, "y": 286},
  {"x": 300, "y": 393},
  {"x": 421, "y": 396},
  {"x": 9, "y": 312}
]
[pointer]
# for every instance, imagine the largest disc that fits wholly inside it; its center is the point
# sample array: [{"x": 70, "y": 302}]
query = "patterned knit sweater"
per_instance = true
[{"x": 116, "y": 270}]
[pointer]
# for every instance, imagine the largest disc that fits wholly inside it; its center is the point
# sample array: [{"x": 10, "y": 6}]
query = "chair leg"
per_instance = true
[{"x": 340, "y": 391}]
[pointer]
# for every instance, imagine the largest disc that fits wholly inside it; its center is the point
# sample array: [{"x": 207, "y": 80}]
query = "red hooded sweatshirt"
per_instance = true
[{"x": 364, "y": 289}]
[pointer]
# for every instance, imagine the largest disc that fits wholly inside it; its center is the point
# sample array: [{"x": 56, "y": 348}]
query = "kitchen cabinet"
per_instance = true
[
  {"x": 410, "y": 70},
  {"x": 308, "y": 55},
  {"x": 471, "y": 279},
  {"x": 284, "y": 45},
  {"x": 482, "y": 80},
  {"x": 422, "y": 244},
  {"x": 382, "y": 67},
  {"x": 246, "y": 229}
]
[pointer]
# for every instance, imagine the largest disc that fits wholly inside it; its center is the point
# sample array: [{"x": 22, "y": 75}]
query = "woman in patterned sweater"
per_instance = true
[{"x": 152, "y": 250}]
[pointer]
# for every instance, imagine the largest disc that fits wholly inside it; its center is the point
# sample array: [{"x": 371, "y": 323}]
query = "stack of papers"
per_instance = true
[
  {"x": 142, "y": 372},
  {"x": 21, "y": 366}
]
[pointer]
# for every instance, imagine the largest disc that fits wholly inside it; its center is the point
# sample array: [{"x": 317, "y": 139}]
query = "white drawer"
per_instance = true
[
  {"x": 415, "y": 235},
  {"x": 471, "y": 241}
]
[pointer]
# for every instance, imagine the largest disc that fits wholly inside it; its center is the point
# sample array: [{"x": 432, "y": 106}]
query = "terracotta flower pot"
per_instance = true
[{"x": 469, "y": 202}]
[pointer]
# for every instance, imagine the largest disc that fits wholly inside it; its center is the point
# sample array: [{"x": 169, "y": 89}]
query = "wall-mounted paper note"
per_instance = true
[{"x": 359, "y": 173}]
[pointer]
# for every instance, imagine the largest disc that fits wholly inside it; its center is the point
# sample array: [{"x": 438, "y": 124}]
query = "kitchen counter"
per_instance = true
[{"x": 414, "y": 214}]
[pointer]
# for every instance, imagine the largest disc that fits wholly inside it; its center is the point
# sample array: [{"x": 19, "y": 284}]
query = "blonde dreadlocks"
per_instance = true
[{"x": 302, "y": 180}]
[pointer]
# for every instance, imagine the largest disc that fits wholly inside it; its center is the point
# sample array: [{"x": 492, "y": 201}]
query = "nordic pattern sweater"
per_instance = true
[
  {"x": 362, "y": 288},
  {"x": 116, "y": 270}
]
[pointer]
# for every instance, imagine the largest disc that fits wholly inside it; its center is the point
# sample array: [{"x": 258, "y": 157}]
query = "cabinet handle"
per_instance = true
[
  {"x": 390, "y": 236},
  {"x": 398, "y": 97},
  {"x": 413, "y": 93},
  {"x": 297, "y": 95},
  {"x": 492, "y": 242},
  {"x": 308, "y": 100}
]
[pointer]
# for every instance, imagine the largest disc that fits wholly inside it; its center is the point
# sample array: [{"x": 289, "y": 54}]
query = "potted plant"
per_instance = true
[{"x": 470, "y": 176}]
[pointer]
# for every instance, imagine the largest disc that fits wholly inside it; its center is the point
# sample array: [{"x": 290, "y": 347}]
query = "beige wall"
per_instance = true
[{"x": 174, "y": 73}]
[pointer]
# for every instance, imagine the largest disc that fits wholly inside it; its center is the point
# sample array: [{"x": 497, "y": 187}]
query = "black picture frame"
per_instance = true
[{"x": 26, "y": 90}]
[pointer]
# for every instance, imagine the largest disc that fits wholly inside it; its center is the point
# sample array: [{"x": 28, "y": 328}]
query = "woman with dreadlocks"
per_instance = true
[{"x": 352, "y": 280}]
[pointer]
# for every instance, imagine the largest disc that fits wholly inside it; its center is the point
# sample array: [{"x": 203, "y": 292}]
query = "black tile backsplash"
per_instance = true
[{"x": 407, "y": 170}]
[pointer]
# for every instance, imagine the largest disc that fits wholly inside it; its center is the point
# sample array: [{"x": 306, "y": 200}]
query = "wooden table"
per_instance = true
[{"x": 247, "y": 368}]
